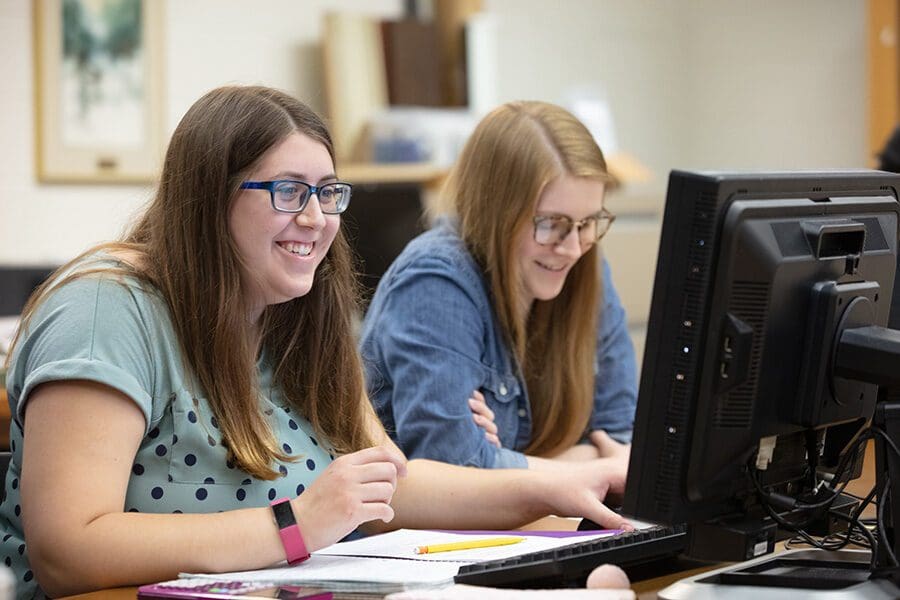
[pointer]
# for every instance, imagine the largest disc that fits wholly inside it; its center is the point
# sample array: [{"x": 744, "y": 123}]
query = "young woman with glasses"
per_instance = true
[
  {"x": 496, "y": 339},
  {"x": 168, "y": 388}
]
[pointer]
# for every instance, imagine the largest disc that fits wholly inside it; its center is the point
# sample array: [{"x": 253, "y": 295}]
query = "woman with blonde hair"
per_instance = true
[
  {"x": 496, "y": 339},
  {"x": 179, "y": 398}
]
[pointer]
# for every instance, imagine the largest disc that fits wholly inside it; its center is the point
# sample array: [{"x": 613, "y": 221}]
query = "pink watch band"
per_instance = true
[{"x": 294, "y": 546}]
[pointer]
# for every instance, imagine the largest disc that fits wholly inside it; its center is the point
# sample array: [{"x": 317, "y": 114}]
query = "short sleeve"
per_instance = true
[{"x": 92, "y": 328}]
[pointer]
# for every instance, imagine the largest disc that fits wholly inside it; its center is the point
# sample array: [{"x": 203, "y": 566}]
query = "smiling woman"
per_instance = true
[
  {"x": 282, "y": 248},
  {"x": 170, "y": 387},
  {"x": 497, "y": 338}
]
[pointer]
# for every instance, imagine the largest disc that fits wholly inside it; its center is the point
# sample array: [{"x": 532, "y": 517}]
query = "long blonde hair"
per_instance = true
[
  {"x": 512, "y": 155},
  {"x": 185, "y": 251}
]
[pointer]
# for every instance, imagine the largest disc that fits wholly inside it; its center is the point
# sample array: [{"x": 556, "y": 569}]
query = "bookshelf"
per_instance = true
[{"x": 425, "y": 174}]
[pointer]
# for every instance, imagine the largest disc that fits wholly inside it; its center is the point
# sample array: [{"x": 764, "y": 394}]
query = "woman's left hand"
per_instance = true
[
  {"x": 484, "y": 417},
  {"x": 580, "y": 489},
  {"x": 610, "y": 448}
]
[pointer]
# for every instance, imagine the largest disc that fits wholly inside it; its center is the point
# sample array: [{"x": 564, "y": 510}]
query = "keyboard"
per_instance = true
[{"x": 570, "y": 565}]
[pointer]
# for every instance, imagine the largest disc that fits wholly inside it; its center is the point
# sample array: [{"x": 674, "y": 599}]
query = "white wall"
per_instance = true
[
  {"x": 776, "y": 84},
  {"x": 208, "y": 43},
  {"x": 699, "y": 83}
]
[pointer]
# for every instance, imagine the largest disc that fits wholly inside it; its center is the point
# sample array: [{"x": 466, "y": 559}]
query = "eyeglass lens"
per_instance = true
[
  {"x": 292, "y": 196},
  {"x": 553, "y": 230}
]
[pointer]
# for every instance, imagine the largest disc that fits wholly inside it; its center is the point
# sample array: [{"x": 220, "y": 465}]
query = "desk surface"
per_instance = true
[{"x": 645, "y": 589}]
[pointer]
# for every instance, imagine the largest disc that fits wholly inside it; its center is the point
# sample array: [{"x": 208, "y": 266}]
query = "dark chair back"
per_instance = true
[{"x": 4, "y": 463}]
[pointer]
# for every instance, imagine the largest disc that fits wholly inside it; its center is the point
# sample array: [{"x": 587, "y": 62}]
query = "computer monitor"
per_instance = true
[{"x": 741, "y": 404}]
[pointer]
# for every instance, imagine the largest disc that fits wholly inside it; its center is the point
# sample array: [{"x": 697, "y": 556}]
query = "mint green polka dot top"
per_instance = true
[{"x": 119, "y": 333}]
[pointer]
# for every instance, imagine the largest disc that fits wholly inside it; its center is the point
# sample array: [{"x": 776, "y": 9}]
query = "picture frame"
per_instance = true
[{"x": 98, "y": 90}]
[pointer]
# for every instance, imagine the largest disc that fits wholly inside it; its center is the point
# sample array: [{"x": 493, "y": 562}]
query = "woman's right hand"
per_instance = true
[
  {"x": 484, "y": 417},
  {"x": 352, "y": 490}
]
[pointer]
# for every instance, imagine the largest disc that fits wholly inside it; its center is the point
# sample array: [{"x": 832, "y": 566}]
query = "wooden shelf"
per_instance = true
[{"x": 426, "y": 174}]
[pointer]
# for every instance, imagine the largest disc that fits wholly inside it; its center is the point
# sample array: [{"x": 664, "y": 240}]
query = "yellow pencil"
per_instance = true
[{"x": 468, "y": 545}]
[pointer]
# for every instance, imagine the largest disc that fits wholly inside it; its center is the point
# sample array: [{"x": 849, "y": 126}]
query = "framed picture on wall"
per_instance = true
[{"x": 99, "y": 90}]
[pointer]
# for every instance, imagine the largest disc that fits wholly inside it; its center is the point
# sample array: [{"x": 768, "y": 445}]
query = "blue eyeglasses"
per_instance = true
[{"x": 289, "y": 196}]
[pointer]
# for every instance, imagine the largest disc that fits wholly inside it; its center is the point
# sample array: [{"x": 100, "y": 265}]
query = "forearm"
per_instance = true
[
  {"x": 440, "y": 496},
  {"x": 578, "y": 452},
  {"x": 118, "y": 549}
]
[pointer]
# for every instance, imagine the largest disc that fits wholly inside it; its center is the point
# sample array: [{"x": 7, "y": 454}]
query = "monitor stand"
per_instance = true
[{"x": 791, "y": 575}]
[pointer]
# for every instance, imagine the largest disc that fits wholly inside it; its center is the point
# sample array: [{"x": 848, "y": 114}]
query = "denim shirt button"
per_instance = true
[
  {"x": 522, "y": 412},
  {"x": 503, "y": 390}
]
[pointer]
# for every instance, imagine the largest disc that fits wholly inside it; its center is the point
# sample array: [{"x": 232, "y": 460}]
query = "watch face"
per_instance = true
[{"x": 284, "y": 514}]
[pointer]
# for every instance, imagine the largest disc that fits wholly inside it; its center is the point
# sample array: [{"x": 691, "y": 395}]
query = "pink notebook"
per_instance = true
[{"x": 208, "y": 589}]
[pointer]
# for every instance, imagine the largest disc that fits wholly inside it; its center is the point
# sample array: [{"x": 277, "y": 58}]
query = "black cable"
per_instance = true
[
  {"x": 855, "y": 524},
  {"x": 886, "y": 438},
  {"x": 868, "y": 534},
  {"x": 882, "y": 529},
  {"x": 883, "y": 498},
  {"x": 852, "y": 520}
]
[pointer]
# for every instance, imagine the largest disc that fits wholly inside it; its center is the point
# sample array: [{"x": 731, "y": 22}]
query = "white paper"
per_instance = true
[
  {"x": 470, "y": 592},
  {"x": 403, "y": 542},
  {"x": 333, "y": 571}
]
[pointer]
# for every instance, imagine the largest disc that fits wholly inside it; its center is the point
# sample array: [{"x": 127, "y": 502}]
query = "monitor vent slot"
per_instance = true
[
  {"x": 790, "y": 238},
  {"x": 693, "y": 311},
  {"x": 749, "y": 302},
  {"x": 875, "y": 239}
]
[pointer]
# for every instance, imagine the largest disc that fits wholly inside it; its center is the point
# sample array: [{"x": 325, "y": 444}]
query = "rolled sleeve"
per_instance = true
[
  {"x": 89, "y": 329},
  {"x": 420, "y": 376},
  {"x": 509, "y": 459}
]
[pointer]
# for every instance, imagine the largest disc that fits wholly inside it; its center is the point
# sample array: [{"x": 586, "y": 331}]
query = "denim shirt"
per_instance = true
[{"x": 431, "y": 337}]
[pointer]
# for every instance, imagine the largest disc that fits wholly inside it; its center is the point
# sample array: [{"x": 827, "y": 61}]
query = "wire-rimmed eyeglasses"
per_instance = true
[{"x": 551, "y": 230}]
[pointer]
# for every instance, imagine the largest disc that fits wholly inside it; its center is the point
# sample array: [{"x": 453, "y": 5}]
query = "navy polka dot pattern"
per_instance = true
[
  {"x": 160, "y": 470},
  {"x": 182, "y": 465}
]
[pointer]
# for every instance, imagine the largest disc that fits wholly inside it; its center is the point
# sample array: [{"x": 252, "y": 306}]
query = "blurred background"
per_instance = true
[{"x": 695, "y": 84}]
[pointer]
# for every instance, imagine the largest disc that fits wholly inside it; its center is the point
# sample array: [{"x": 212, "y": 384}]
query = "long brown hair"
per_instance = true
[
  {"x": 185, "y": 250},
  {"x": 512, "y": 155}
]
